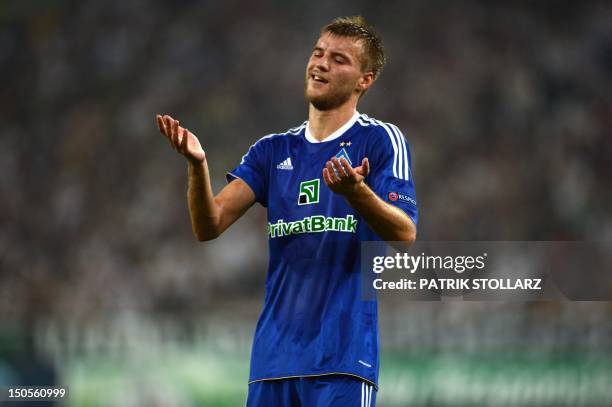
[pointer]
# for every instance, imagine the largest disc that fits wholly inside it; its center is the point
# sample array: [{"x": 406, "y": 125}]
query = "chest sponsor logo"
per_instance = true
[
  {"x": 312, "y": 224},
  {"x": 309, "y": 192}
]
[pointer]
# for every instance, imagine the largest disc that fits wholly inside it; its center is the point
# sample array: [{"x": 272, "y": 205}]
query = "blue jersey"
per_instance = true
[{"x": 314, "y": 320}]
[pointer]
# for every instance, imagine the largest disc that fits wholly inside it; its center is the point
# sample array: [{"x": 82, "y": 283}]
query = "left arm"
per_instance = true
[{"x": 388, "y": 221}]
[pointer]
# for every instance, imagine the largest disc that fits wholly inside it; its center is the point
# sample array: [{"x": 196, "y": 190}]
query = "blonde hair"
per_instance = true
[{"x": 356, "y": 27}]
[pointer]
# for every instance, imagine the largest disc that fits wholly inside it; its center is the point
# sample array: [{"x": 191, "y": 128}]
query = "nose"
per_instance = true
[{"x": 322, "y": 63}]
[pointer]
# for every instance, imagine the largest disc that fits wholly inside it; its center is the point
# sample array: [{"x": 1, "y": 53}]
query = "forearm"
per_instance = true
[
  {"x": 204, "y": 212},
  {"x": 388, "y": 221}
]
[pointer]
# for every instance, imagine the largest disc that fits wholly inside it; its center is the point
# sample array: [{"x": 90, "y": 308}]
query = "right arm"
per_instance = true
[{"x": 210, "y": 215}]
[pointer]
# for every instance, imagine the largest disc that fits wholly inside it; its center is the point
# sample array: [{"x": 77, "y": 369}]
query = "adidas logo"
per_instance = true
[{"x": 285, "y": 165}]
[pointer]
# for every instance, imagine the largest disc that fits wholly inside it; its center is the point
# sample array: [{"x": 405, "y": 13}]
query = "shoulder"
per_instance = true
[
  {"x": 273, "y": 138},
  {"x": 388, "y": 147},
  {"x": 381, "y": 133},
  {"x": 265, "y": 145}
]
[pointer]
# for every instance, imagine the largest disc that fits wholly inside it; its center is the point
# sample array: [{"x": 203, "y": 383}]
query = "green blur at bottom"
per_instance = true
[{"x": 206, "y": 377}]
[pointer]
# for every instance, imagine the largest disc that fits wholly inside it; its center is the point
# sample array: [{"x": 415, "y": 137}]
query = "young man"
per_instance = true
[{"x": 316, "y": 342}]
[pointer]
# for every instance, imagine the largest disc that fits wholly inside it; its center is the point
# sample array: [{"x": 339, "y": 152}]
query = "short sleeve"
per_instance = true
[
  {"x": 252, "y": 170},
  {"x": 391, "y": 169}
]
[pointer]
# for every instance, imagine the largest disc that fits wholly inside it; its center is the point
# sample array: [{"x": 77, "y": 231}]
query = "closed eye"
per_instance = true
[
  {"x": 317, "y": 52},
  {"x": 337, "y": 57}
]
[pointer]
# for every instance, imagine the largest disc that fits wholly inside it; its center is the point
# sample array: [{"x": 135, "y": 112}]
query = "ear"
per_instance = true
[{"x": 366, "y": 80}]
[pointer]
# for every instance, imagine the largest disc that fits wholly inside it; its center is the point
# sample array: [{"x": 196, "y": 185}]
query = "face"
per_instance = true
[{"x": 334, "y": 73}]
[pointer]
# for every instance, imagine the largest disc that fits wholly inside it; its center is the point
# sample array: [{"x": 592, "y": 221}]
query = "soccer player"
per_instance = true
[{"x": 338, "y": 179}]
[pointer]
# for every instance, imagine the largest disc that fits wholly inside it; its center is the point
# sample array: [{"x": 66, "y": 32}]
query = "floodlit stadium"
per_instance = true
[{"x": 104, "y": 290}]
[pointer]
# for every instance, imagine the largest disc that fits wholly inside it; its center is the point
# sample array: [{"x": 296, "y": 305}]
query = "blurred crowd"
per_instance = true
[{"x": 506, "y": 107}]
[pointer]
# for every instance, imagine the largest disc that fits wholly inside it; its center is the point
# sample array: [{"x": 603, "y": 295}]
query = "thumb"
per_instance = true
[{"x": 365, "y": 165}]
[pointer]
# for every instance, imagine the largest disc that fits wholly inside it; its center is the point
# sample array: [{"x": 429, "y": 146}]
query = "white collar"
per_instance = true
[{"x": 335, "y": 134}]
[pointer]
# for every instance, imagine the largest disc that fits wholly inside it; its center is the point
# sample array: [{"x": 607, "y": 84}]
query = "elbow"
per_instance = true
[
  {"x": 403, "y": 239},
  {"x": 206, "y": 238},
  {"x": 206, "y": 228},
  {"x": 413, "y": 236},
  {"x": 206, "y": 235},
  {"x": 408, "y": 236}
]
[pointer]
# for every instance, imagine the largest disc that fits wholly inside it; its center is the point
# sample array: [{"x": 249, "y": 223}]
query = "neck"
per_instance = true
[{"x": 322, "y": 123}]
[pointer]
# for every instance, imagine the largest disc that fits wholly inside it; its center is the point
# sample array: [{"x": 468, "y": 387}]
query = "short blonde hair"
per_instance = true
[{"x": 356, "y": 27}]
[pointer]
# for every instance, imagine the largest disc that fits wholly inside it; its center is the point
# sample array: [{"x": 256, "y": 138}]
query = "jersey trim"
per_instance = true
[
  {"x": 401, "y": 137},
  {"x": 230, "y": 176},
  {"x": 343, "y": 129},
  {"x": 366, "y": 395},
  {"x": 297, "y": 129},
  {"x": 316, "y": 375},
  {"x": 401, "y": 166}
]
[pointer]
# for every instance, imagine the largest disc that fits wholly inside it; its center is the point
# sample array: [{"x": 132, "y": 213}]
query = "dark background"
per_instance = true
[{"x": 507, "y": 110}]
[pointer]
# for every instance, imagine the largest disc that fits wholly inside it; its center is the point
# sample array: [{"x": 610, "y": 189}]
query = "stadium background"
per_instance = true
[{"x": 507, "y": 109}]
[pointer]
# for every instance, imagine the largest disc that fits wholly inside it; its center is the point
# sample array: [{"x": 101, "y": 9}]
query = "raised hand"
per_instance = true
[
  {"x": 343, "y": 179},
  {"x": 181, "y": 139}
]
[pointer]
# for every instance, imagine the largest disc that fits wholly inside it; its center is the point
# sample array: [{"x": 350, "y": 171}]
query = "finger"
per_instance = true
[
  {"x": 179, "y": 134},
  {"x": 175, "y": 132},
  {"x": 340, "y": 172},
  {"x": 326, "y": 177},
  {"x": 184, "y": 140},
  {"x": 160, "y": 124},
  {"x": 346, "y": 167},
  {"x": 167, "y": 120},
  {"x": 334, "y": 167},
  {"x": 163, "y": 127},
  {"x": 329, "y": 171},
  {"x": 365, "y": 163},
  {"x": 168, "y": 129},
  {"x": 333, "y": 175},
  {"x": 364, "y": 168}
]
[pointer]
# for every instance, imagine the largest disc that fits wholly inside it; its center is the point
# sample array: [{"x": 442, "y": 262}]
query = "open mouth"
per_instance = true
[{"x": 318, "y": 78}]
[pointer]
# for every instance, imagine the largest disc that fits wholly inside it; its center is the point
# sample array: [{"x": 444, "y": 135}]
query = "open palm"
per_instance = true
[
  {"x": 181, "y": 139},
  {"x": 343, "y": 179}
]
